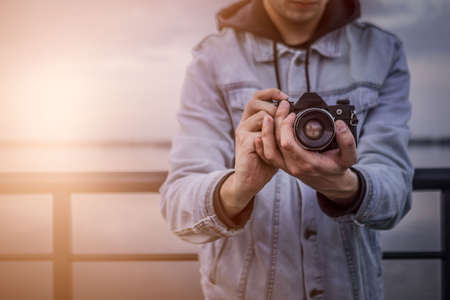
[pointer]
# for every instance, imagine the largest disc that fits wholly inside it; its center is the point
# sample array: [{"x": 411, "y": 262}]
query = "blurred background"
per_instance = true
[{"x": 93, "y": 86}]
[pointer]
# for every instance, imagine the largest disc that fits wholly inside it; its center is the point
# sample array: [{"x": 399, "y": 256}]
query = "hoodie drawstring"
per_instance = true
[
  {"x": 308, "y": 85},
  {"x": 277, "y": 71},
  {"x": 275, "y": 62}
]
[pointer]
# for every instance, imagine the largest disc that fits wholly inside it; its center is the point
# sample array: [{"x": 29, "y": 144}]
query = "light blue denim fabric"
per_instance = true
[{"x": 290, "y": 249}]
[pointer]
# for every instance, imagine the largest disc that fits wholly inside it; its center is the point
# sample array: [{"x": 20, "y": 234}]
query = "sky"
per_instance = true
[{"x": 112, "y": 70}]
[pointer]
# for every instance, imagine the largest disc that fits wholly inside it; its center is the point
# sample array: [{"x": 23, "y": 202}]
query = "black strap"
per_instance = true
[
  {"x": 308, "y": 85},
  {"x": 275, "y": 61}
]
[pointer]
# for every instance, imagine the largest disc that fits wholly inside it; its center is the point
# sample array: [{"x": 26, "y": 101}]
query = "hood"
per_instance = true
[{"x": 250, "y": 16}]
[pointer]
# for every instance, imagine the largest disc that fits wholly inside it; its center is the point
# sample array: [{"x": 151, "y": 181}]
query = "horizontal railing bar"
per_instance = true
[
  {"x": 89, "y": 182},
  {"x": 86, "y": 143},
  {"x": 182, "y": 256},
  {"x": 413, "y": 255},
  {"x": 162, "y": 143},
  {"x": 26, "y": 257},
  {"x": 147, "y": 182},
  {"x": 136, "y": 257},
  {"x": 431, "y": 179},
  {"x": 427, "y": 142},
  {"x": 193, "y": 256}
]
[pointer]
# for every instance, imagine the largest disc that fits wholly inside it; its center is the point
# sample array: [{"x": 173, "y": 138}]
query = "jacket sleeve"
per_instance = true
[
  {"x": 202, "y": 155},
  {"x": 383, "y": 159}
]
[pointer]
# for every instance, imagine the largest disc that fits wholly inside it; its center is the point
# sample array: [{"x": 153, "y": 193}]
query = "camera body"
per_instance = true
[{"x": 314, "y": 122}]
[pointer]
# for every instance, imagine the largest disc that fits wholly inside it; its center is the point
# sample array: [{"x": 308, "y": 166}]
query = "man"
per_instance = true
[{"x": 277, "y": 221}]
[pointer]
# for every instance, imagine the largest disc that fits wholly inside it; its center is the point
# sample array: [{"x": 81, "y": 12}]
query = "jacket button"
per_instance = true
[
  {"x": 309, "y": 233},
  {"x": 298, "y": 61},
  {"x": 315, "y": 292}
]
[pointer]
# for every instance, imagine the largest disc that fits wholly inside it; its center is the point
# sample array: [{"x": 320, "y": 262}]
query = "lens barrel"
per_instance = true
[{"x": 314, "y": 128}]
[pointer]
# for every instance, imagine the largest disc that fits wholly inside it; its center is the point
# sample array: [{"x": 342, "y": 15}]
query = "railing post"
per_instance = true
[
  {"x": 445, "y": 242},
  {"x": 62, "y": 246}
]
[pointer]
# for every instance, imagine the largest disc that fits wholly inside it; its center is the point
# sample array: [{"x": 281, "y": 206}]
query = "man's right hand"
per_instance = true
[{"x": 251, "y": 172}]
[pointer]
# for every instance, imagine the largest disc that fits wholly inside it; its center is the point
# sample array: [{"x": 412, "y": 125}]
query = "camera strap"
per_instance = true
[{"x": 277, "y": 71}]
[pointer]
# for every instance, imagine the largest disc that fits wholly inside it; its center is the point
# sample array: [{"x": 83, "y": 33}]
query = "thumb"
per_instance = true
[{"x": 346, "y": 143}]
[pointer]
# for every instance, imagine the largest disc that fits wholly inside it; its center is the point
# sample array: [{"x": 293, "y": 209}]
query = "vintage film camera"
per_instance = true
[{"x": 314, "y": 121}]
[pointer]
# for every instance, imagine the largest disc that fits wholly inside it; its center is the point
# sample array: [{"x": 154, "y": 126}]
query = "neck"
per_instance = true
[{"x": 293, "y": 33}]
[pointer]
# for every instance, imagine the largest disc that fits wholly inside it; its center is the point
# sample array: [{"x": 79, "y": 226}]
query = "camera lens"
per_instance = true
[{"x": 314, "y": 128}]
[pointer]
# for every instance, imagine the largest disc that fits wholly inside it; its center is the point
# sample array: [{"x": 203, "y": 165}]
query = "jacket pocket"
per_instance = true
[
  {"x": 362, "y": 98},
  {"x": 237, "y": 95}
]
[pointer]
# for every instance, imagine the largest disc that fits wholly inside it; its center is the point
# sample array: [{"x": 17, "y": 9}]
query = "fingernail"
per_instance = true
[{"x": 284, "y": 104}]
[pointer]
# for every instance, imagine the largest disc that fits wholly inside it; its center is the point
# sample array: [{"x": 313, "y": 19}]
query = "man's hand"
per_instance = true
[
  {"x": 251, "y": 172},
  {"x": 327, "y": 172}
]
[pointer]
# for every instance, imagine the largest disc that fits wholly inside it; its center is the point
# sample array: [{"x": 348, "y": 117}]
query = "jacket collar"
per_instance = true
[{"x": 329, "y": 45}]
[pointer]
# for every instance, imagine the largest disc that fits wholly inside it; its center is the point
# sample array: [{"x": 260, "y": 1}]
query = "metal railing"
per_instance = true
[{"x": 62, "y": 185}]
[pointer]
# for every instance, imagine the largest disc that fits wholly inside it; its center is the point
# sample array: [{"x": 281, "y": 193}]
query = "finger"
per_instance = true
[
  {"x": 246, "y": 141},
  {"x": 254, "y": 122},
  {"x": 287, "y": 140},
  {"x": 346, "y": 143},
  {"x": 270, "y": 148},
  {"x": 260, "y": 101},
  {"x": 259, "y": 148},
  {"x": 270, "y": 94},
  {"x": 289, "y": 146},
  {"x": 298, "y": 161},
  {"x": 255, "y": 105},
  {"x": 280, "y": 115},
  {"x": 332, "y": 154}
]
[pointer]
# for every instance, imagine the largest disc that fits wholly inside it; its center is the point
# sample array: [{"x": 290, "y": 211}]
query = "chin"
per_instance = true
[
  {"x": 299, "y": 11},
  {"x": 300, "y": 16}
]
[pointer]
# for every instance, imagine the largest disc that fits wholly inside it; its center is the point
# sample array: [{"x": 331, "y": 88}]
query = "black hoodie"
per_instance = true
[{"x": 250, "y": 16}]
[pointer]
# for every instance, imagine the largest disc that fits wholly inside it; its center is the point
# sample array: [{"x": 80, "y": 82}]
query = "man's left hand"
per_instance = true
[{"x": 326, "y": 172}]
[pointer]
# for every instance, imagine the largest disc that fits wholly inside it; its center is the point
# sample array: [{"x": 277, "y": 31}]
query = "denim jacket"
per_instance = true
[{"x": 289, "y": 248}]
